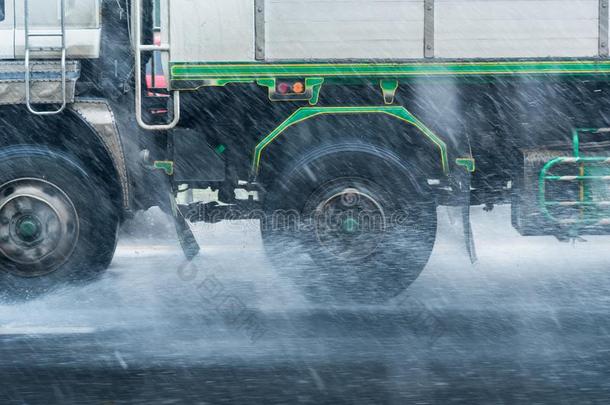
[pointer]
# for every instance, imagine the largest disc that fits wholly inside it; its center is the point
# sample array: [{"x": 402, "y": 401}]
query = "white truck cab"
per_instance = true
[
  {"x": 7, "y": 30},
  {"x": 40, "y": 41},
  {"x": 82, "y": 27}
]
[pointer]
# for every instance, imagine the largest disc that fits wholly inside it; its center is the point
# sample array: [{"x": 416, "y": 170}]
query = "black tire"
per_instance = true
[
  {"x": 70, "y": 224},
  {"x": 303, "y": 230}
]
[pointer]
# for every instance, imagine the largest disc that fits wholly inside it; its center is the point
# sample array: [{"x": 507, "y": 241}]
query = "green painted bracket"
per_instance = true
[
  {"x": 388, "y": 90},
  {"x": 468, "y": 163},
  {"x": 268, "y": 83},
  {"x": 306, "y": 113},
  {"x": 165, "y": 165},
  {"x": 315, "y": 84}
]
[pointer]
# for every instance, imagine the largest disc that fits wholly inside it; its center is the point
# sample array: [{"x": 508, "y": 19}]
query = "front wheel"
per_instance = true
[
  {"x": 350, "y": 227},
  {"x": 57, "y": 223}
]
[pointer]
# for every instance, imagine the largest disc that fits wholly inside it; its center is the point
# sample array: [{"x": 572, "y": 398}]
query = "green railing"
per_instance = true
[{"x": 592, "y": 179}]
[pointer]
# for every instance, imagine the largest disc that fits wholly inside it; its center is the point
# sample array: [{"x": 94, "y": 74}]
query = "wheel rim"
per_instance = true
[
  {"x": 39, "y": 226},
  {"x": 349, "y": 222}
]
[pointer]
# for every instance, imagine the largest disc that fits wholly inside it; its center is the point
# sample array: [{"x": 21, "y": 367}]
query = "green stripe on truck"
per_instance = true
[{"x": 223, "y": 73}]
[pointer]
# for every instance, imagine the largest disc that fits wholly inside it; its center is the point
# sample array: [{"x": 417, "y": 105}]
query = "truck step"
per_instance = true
[
  {"x": 46, "y": 49},
  {"x": 46, "y": 34}
]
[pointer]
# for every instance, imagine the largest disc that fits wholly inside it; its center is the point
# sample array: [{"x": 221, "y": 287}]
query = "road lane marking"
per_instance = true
[{"x": 45, "y": 330}]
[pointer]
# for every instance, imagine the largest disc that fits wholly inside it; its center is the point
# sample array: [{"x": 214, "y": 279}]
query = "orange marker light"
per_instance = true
[{"x": 298, "y": 88}]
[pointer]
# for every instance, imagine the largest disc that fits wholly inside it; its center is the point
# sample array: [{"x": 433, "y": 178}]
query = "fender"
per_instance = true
[
  {"x": 98, "y": 116},
  {"x": 306, "y": 113}
]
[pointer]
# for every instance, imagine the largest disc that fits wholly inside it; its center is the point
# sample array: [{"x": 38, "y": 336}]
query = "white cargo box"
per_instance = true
[
  {"x": 297, "y": 30},
  {"x": 82, "y": 27}
]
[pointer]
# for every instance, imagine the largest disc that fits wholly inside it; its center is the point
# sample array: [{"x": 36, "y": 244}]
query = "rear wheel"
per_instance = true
[
  {"x": 57, "y": 223},
  {"x": 350, "y": 227}
]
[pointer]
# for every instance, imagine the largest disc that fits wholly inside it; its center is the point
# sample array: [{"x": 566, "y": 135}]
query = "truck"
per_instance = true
[{"x": 341, "y": 126}]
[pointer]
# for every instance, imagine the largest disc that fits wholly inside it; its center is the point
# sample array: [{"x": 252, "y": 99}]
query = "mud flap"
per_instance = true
[
  {"x": 464, "y": 184},
  {"x": 187, "y": 240},
  {"x": 468, "y": 236}
]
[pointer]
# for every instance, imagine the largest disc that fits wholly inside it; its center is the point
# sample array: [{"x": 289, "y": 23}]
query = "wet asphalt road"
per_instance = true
[{"x": 529, "y": 323}]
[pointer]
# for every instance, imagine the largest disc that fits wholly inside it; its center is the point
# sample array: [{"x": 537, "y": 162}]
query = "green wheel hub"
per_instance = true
[
  {"x": 28, "y": 228},
  {"x": 350, "y": 225},
  {"x": 349, "y": 222}
]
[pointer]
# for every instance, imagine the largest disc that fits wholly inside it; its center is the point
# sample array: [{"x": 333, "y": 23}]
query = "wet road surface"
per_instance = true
[{"x": 529, "y": 323}]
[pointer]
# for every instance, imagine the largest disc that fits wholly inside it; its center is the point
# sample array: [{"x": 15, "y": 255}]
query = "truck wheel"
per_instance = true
[
  {"x": 350, "y": 227},
  {"x": 57, "y": 224}
]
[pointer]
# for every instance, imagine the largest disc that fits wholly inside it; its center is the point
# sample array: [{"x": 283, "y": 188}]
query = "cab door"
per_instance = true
[{"x": 7, "y": 29}]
